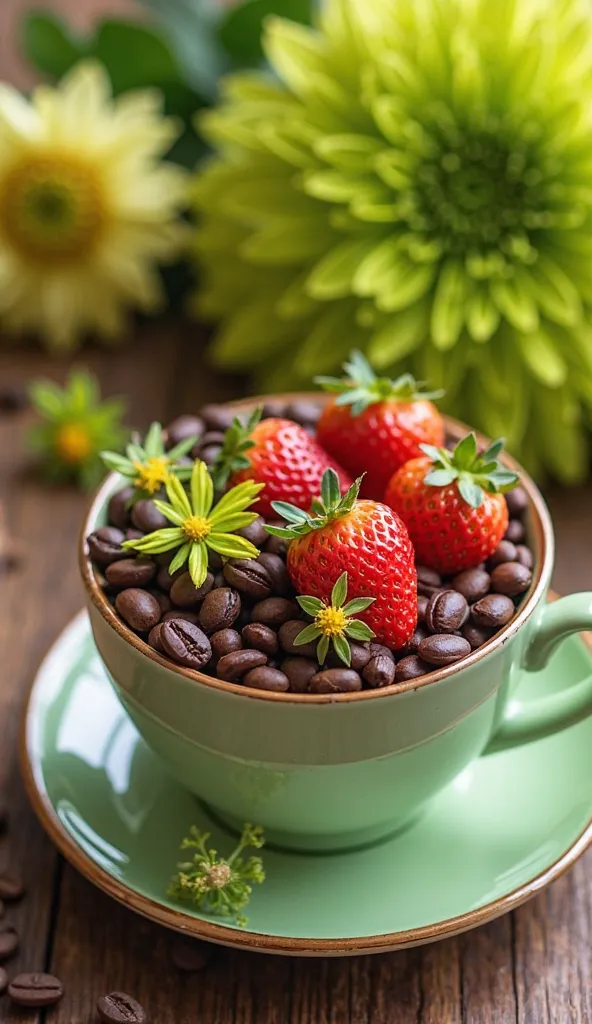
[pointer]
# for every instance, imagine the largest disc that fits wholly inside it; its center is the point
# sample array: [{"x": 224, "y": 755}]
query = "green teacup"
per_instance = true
[{"x": 329, "y": 772}]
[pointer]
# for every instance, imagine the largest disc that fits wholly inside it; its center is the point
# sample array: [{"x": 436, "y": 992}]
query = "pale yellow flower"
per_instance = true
[{"x": 87, "y": 210}]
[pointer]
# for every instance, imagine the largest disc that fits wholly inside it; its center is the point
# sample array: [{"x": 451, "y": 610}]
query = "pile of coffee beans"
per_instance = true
[{"x": 241, "y": 624}]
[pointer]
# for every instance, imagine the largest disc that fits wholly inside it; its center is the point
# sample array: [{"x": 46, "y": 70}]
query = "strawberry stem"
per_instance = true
[
  {"x": 473, "y": 471},
  {"x": 331, "y": 505},
  {"x": 361, "y": 387}
]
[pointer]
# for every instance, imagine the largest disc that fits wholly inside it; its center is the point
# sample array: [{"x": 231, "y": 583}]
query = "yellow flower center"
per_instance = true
[
  {"x": 196, "y": 528},
  {"x": 51, "y": 208},
  {"x": 73, "y": 443},
  {"x": 152, "y": 474},
  {"x": 331, "y": 621}
]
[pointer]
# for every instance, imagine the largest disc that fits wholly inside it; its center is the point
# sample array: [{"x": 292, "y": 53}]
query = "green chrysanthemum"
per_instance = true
[{"x": 418, "y": 184}]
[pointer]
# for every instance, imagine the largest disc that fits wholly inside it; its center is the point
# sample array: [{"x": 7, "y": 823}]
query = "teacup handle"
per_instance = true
[{"x": 532, "y": 720}]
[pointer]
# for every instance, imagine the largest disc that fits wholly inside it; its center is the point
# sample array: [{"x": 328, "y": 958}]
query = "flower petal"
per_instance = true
[
  {"x": 202, "y": 490},
  {"x": 198, "y": 563}
]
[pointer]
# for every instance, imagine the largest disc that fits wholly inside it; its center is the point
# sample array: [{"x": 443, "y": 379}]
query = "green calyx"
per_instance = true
[
  {"x": 361, "y": 387},
  {"x": 334, "y": 623},
  {"x": 331, "y": 505},
  {"x": 473, "y": 471},
  {"x": 237, "y": 441}
]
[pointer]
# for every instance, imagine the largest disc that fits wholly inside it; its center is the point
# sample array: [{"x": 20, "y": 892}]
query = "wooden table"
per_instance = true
[{"x": 533, "y": 966}]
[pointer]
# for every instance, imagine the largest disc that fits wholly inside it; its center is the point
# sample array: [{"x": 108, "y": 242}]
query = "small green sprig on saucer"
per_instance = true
[
  {"x": 147, "y": 465},
  {"x": 333, "y": 622},
  {"x": 215, "y": 884},
  {"x": 198, "y": 526}
]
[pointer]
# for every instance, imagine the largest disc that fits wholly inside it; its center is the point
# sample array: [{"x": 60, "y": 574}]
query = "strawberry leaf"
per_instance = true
[
  {"x": 441, "y": 477},
  {"x": 471, "y": 492}
]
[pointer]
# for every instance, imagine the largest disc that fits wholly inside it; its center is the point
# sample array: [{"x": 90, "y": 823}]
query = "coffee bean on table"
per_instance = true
[
  {"x": 154, "y": 638},
  {"x": 428, "y": 580},
  {"x": 185, "y": 643},
  {"x": 472, "y": 584},
  {"x": 422, "y": 603},
  {"x": 274, "y": 611},
  {"x": 511, "y": 578},
  {"x": 118, "y": 509},
  {"x": 447, "y": 611},
  {"x": 476, "y": 635},
  {"x": 11, "y": 888},
  {"x": 130, "y": 572},
  {"x": 288, "y": 633},
  {"x": 182, "y": 429},
  {"x": 517, "y": 502},
  {"x": 138, "y": 608},
  {"x": 219, "y": 610},
  {"x": 379, "y": 672},
  {"x": 232, "y": 667},
  {"x": 299, "y": 672},
  {"x": 225, "y": 641},
  {"x": 104, "y": 545},
  {"x": 249, "y": 577},
  {"x": 411, "y": 667},
  {"x": 335, "y": 680},
  {"x": 504, "y": 552},
  {"x": 278, "y": 573},
  {"x": 3, "y": 980},
  {"x": 261, "y": 637},
  {"x": 185, "y": 594},
  {"x": 9, "y": 942},
  {"x": 146, "y": 517},
  {"x": 266, "y": 678},
  {"x": 515, "y": 532},
  {"x": 255, "y": 532},
  {"x": 525, "y": 556},
  {"x": 35, "y": 990},
  {"x": 119, "y": 1008},
  {"x": 494, "y": 610},
  {"x": 190, "y": 955},
  {"x": 443, "y": 649}
]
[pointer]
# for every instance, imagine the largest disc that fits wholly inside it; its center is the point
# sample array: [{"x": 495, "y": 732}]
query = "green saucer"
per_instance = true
[{"x": 506, "y": 827}]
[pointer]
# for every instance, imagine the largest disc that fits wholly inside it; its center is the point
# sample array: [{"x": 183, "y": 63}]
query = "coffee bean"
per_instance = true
[
  {"x": 517, "y": 502},
  {"x": 360, "y": 656},
  {"x": 376, "y": 649},
  {"x": 215, "y": 562},
  {"x": 288, "y": 633},
  {"x": 303, "y": 412},
  {"x": 299, "y": 672},
  {"x": 130, "y": 572},
  {"x": 255, "y": 532},
  {"x": 209, "y": 453},
  {"x": 182, "y": 429},
  {"x": 428, "y": 581},
  {"x": 119, "y": 1008},
  {"x": 185, "y": 594},
  {"x": 420, "y": 632},
  {"x": 219, "y": 610},
  {"x": 335, "y": 680},
  {"x": 248, "y": 577},
  {"x": 181, "y": 613},
  {"x": 515, "y": 532},
  {"x": 444, "y": 649},
  {"x": 225, "y": 641},
  {"x": 411, "y": 667},
  {"x": 511, "y": 578},
  {"x": 185, "y": 643},
  {"x": 476, "y": 635},
  {"x": 11, "y": 888},
  {"x": 104, "y": 545},
  {"x": 9, "y": 942},
  {"x": 494, "y": 610},
  {"x": 219, "y": 581},
  {"x": 146, "y": 517},
  {"x": 266, "y": 678},
  {"x": 379, "y": 672},
  {"x": 275, "y": 567},
  {"x": 422, "y": 603},
  {"x": 473, "y": 584},
  {"x": 163, "y": 599},
  {"x": 139, "y": 609},
  {"x": 525, "y": 556},
  {"x": 277, "y": 545},
  {"x": 232, "y": 667},
  {"x": 190, "y": 955},
  {"x": 118, "y": 509},
  {"x": 274, "y": 611},
  {"x": 274, "y": 408},
  {"x": 447, "y": 611},
  {"x": 504, "y": 552},
  {"x": 154, "y": 638},
  {"x": 3, "y": 980},
  {"x": 164, "y": 578},
  {"x": 35, "y": 990},
  {"x": 134, "y": 535},
  {"x": 217, "y": 417},
  {"x": 261, "y": 637}
]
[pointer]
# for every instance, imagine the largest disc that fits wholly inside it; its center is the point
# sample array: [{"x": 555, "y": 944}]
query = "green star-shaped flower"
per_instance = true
[
  {"x": 148, "y": 465},
  {"x": 333, "y": 622}
]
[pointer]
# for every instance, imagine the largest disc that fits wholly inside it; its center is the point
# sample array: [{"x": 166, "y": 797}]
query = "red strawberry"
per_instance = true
[
  {"x": 279, "y": 454},
  {"x": 452, "y": 504},
  {"x": 363, "y": 538},
  {"x": 376, "y": 424}
]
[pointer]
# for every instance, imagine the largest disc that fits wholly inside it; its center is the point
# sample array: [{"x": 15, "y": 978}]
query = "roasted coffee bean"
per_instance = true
[
  {"x": 376, "y": 649},
  {"x": 213, "y": 437},
  {"x": 3, "y": 980},
  {"x": 335, "y": 680},
  {"x": 277, "y": 545},
  {"x": 134, "y": 534},
  {"x": 299, "y": 672},
  {"x": 35, "y": 990},
  {"x": 225, "y": 641},
  {"x": 360, "y": 656},
  {"x": 447, "y": 611},
  {"x": 517, "y": 502},
  {"x": 261, "y": 637},
  {"x": 473, "y": 584},
  {"x": 267, "y": 678},
  {"x": 219, "y": 610},
  {"x": 288, "y": 633},
  {"x": 303, "y": 412},
  {"x": 104, "y": 545},
  {"x": 130, "y": 572},
  {"x": 511, "y": 578},
  {"x": 443, "y": 649},
  {"x": 119, "y": 1008},
  {"x": 411, "y": 667},
  {"x": 11, "y": 888},
  {"x": 164, "y": 579},
  {"x": 190, "y": 955},
  {"x": 275, "y": 567},
  {"x": 215, "y": 562},
  {"x": 146, "y": 517},
  {"x": 219, "y": 581},
  {"x": 185, "y": 643},
  {"x": 274, "y": 408},
  {"x": 515, "y": 532},
  {"x": 232, "y": 667},
  {"x": 504, "y": 552},
  {"x": 164, "y": 600},
  {"x": 182, "y": 613},
  {"x": 255, "y": 532},
  {"x": 274, "y": 611},
  {"x": 183, "y": 428},
  {"x": 138, "y": 608},
  {"x": 422, "y": 603},
  {"x": 525, "y": 556},
  {"x": 428, "y": 581},
  {"x": 9, "y": 942},
  {"x": 154, "y": 638},
  {"x": 217, "y": 417},
  {"x": 495, "y": 610},
  {"x": 118, "y": 509},
  {"x": 249, "y": 577},
  {"x": 209, "y": 453},
  {"x": 420, "y": 632},
  {"x": 185, "y": 594},
  {"x": 476, "y": 635},
  {"x": 379, "y": 672}
]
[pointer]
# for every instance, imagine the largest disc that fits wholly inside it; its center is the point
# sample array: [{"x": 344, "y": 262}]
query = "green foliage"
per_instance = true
[
  {"x": 474, "y": 472},
  {"x": 241, "y": 29}
]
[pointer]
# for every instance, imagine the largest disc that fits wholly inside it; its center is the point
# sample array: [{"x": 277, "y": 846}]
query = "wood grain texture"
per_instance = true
[{"x": 533, "y": 967}]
